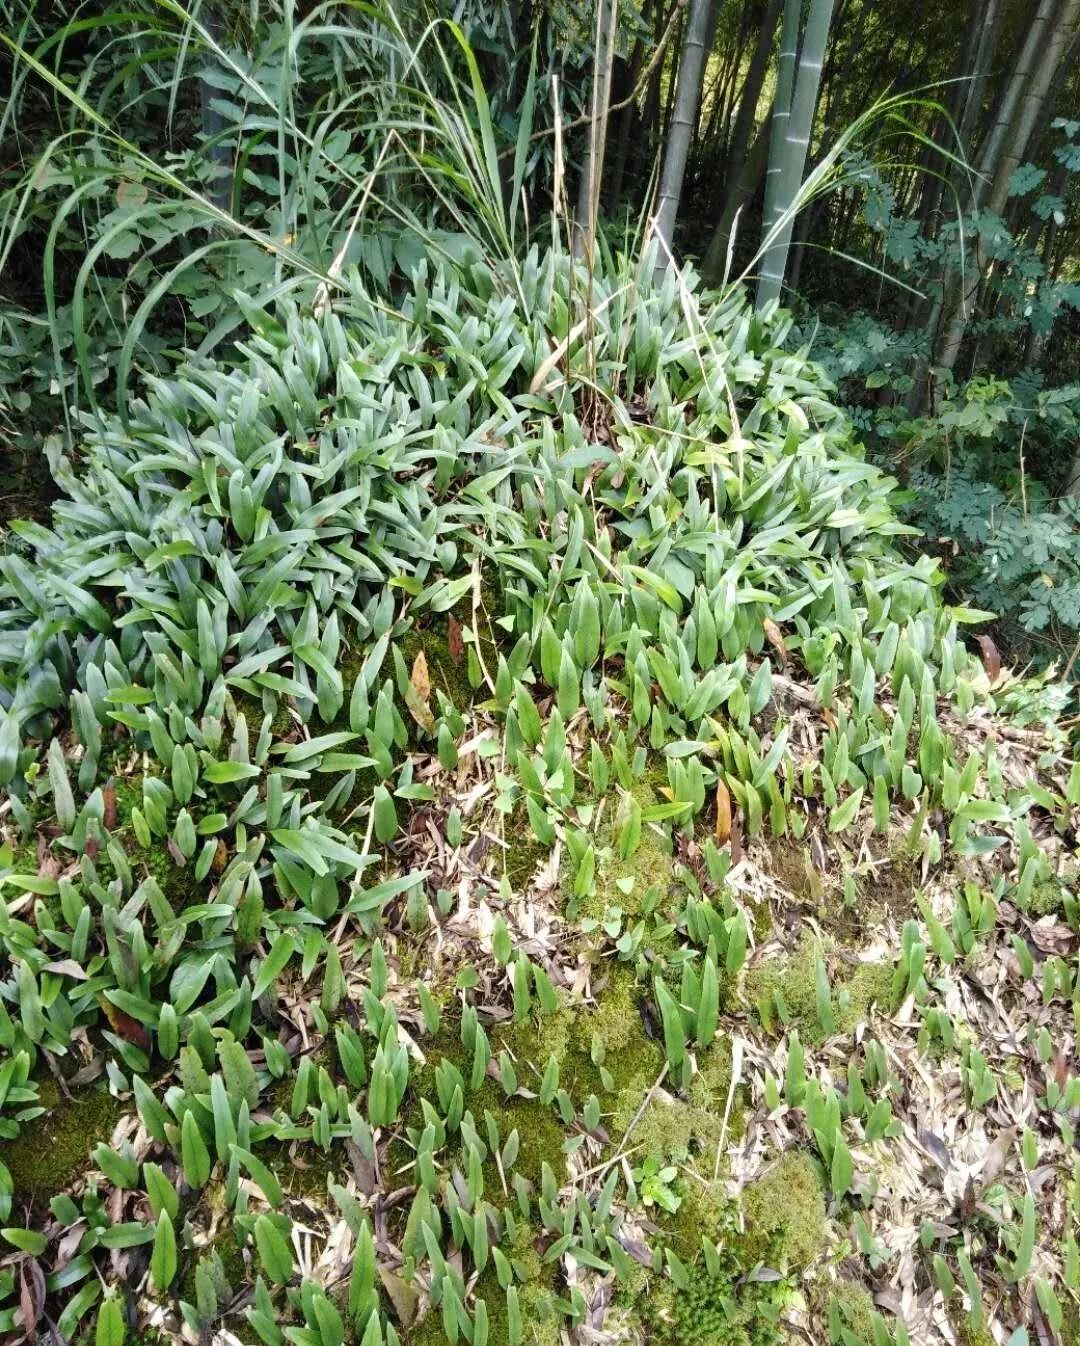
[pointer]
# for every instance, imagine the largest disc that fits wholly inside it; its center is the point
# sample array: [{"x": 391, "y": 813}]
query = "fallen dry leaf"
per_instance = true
[
  {"x": 221, "y": 858},
  {"x": 420, "y": 678},
  {"x": 990, "y": 657},
  {"x": 404, "y": 1296},
  {"x": 418, "y": 694},
  {"x": 129, "y": 1029},
  {"x": 775, "y": 637},
  {"x": 454, "y": 640},
  {"x": 31, "y": 1296},
  {"x": 723, "y": 812}
]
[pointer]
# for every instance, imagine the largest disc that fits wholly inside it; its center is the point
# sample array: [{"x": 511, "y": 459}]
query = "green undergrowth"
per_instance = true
[{"x": 285, "y": 881}]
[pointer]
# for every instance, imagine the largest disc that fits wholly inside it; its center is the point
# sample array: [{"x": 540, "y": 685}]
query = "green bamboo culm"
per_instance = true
[
  {"x": 797, "y": 81},
  {"x": 680, "y": 134},
  {"x": 781, "y": 111}
]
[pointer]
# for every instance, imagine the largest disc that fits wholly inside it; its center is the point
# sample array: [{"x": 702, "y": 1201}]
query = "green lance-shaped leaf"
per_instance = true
[
  {"x": 163, "y": 1195},
  {"x": 514, "y": 1328},
  {"x": 110, "y": 1322},
  {"x": 385, "y": 815},
  {"x": 823, "y": 993},
  {"x": 194, "y": 1156},
  {"x": 275, "y": 1255},
  {"x": 122, "y": 1170},
  {"x": 63, "y": 799},
  {"x": 528, "y": 717},
  {"x": 261, "y": 1175},
  {"x": 549, "y": 1084},
  {"x": 569, "y": 686},
  {"x": 844, "y": 815},
  {"x": 522, "y": 989},
  {"x": 363, "y": 1296},
  {"x": 628, "y": 823},
  {"x": 795, "y": 1073},
  {"x": 881, "y": 804},
  {"x": 163, "y": 1257},
  {"x": 30, "y": 1011},
  {"x": 842, "y": 1170},
  {"x": 1026, "y": 1248},
  {"x": 501, "y": 943},
  {"x": 586, "y": 626},
  {"x": 671, "y": 1017},
  {"x": 26, "y": 1240},
  {"x": 708, "y": 1013}
]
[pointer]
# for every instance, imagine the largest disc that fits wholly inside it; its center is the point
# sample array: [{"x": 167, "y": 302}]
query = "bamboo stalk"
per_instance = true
[{"x": 791, "y": 142}]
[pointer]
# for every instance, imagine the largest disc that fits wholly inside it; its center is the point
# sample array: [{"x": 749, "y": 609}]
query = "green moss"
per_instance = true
[
  {"x": 541, "y": 1138},
  {"x": 722, "y": 1307},
  {"x": 1046, "y": 898},
  {"x": 177, "y": 882},
  {"x": 53, "y": 1150},
  {"x": 785, "y": 991},
  {"x": 710, "y": 1087},
  {"x": 303, "y": 1169},
  {"x": 638, "y": 884},
  {"x": 885, "y": 889},
  {"x": 854, "y": 1305},
  {"x": 968, "y": 1335},
  {"x": 611, "y": 1034},
  {"x": 633, "y": 886},
  {"x": 614, "y": 1019},
  {"x": 869, "y": 984},
  {"x": 786, "y": 1208},
  {"x": 524, "y": 853}
]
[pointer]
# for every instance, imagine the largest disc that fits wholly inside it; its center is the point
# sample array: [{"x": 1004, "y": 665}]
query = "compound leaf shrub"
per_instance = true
[{"x": 647, "y": 534}]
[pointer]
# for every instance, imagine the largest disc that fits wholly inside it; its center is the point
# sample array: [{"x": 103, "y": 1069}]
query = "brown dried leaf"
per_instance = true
[
  {"x": 108, "y": 795},
  {"x": 996, "y": 1155},
  {"x": 49, "y": 866},
  {"x": 1053, "y": 936},
  {"x": 129, "y": 1029},
  {"x": 990, "y": 657},
  {"x": 637, "y": 1248},
  {"x": 130, "y": 194},
  {"x": 935, "y": 1147},
  {"x": 420, "y": 678},
  {"x": 221, "y": 858},
  {"x": 723, "y": 813},
  {"x": 66, "y": 967},
  {"x": 418, "y": 694},
  {"x": 31, "y": 1296},
  {"x": 404, "y": 1296},
  {"x": 775, "y": 638},
  {"x": 736, "y": 846},
  {"x": 454, "y": 640}
]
